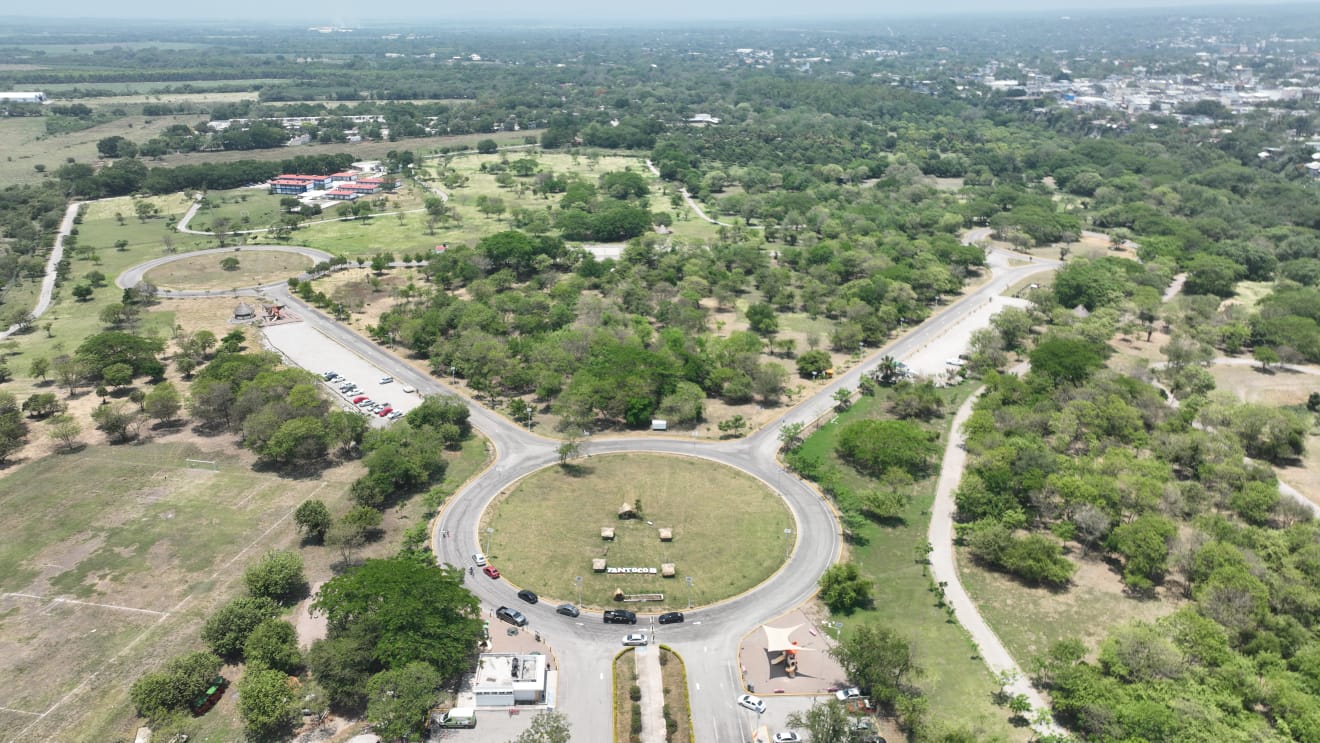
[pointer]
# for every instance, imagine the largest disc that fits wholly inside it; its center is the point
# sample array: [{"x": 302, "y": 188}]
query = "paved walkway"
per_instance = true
[
  {"x": 653, "y": 693},
  {"x": 48, "y": 281},
  {"x": 944, "y": 570}
]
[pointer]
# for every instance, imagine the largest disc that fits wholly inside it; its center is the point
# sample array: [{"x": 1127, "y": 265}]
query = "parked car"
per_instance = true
[
  {"x": 670, "y": 617},
  {"x": 384, "y": 411},
  {"x": 364, "y": 402},
  {"x": 385, "y": 380},
  {"x": 512, "y": 616},
  {"x": 396, "y": 415},
  {"x": 755, "y": 704},
  {"x": 787, "y": 736},
  {"x": 634, "y": 639},
  {"x": 350, "y": 387},
  {"x": 844, "y": 695},
  {"x": 528, "y": 596},
  {"x": 330, "y": 376},
  {"x": 491, "y": 570},
  {"x": 620, "y": 616},
  {"x": 359, "y": 399},
  {"x": 479, "y": 559},
  {"x": 568, "y": 610},
  {"x": 409, "y": 390}
]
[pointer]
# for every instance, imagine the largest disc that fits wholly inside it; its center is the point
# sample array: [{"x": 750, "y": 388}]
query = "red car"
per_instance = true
[
  {"x": 359, "y": 399},
  {"x": 385, "y": 411},
  {"x": 491, "y": 570}
]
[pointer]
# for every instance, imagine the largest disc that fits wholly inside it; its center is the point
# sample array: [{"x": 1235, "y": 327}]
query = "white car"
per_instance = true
[
  {"x": 787, "y": 736},
  {"x": 634, "y": 639},
  {"x": 385, "y": 380},
  {"x": 479, "y": 559},
  {"x": 844, "y": 695},
  {"x": 755, "y": 704}
]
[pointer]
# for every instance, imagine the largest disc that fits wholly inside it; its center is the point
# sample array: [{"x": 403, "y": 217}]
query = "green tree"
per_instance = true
[
  {"x": 762, "y": 320},
  {"x": 313, "y": 519},
  {"x": 117, "y": 375},
  {"x": 879, "y": 661},
  {"x": 487, "y": 146},
  {"x": 163, "y": 402},
  {"x": 65, "y": 429},
  {"x": 414, "y": 612},
  {"x": 844, "y": 589},
  {"x": 267, "y": 704},
  {"x": 813, "y": 363},
  {"x": 824, "y": 721},
  {"x": 342, "y": 665},
  {"x": 547, "y": 727},
  {"x": 42, "y": 404},
  {"x": 39, "y": 368},
  {"x": 82, "y": 292},
  {"x": 1061, "y": 360},
  {"x": 400, "y": 699},
  {"x": 229, "y": 263},
  {"x": 116, "y": 347},
  {"x": 116, "y": 420},
  {"x": 157, "y": 694},
  {"x": 278, "y": 576},
  {"x": 228, "y": 628},
  {"x": 273, "y": 644},
  {"x": 876, "y": 446},
  {"x": 298, "y": 442}
]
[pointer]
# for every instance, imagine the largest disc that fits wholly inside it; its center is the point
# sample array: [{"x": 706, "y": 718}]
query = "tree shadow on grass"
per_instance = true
[{"x": 575, "y": 470}]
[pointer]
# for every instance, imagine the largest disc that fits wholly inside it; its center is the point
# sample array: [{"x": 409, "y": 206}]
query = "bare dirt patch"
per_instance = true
[
  {"x": 1029, "y": 619},
  {"x": 1275, "y": 387}
]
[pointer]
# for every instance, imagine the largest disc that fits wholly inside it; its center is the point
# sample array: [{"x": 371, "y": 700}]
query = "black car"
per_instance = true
[
  {"x": 568, "y": 610},
  {"x": 512, "y": 616},
  {"x": 670, "y": 617},
  {"x": 620, "y": 616},
  {"x": 528, "y": 596}
]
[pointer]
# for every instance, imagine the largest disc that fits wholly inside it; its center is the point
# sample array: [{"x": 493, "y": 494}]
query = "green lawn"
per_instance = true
[
  {"x": 71, "y": 320},
  {"x": 955, "y": 680},
  {"x": 245, "y": 208},
  {"x": 547, "y": 531},
  {"x": 205, "y": 271}
]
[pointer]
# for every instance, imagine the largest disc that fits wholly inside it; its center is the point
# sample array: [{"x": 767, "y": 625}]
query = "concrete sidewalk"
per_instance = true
[{"x": 652, "y": 684}]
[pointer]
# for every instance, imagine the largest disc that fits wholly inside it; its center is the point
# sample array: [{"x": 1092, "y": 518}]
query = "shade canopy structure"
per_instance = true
[{"x": 777, "y": 639}]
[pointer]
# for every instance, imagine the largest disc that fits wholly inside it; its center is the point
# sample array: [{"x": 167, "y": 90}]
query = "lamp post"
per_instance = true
[
  {"x": 489, "y": 532},
  {"x": 453, "y": 373},
  {"x": 689, "y": 582},
  {"x": 579, "y": 587}
]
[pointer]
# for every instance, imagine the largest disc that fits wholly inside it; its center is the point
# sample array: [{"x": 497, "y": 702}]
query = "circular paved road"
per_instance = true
[{"x": 133, "y": 276}]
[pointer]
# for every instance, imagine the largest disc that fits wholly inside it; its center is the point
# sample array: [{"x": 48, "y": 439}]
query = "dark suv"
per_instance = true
[
  {"x": 620, "y": 616},
  {"x": 670, "y": 617}
]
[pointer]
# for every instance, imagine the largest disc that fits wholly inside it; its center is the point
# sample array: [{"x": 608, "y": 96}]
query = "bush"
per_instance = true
[
  {"x": 227, "y": 630},
  {"x": 635, "y": 693},
  {"x": 278, "y": 577}
]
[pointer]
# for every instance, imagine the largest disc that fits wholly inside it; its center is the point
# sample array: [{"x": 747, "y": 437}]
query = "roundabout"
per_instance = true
[
  {"x": 712, "y": 634},
  {"x": 583, "y": 532}
]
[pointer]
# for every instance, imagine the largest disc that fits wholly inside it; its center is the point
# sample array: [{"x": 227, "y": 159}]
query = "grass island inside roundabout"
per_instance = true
[{"x": 730, "y": 532}]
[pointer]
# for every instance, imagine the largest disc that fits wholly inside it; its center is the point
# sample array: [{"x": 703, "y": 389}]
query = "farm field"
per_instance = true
[{"x": 547, "y": 530}]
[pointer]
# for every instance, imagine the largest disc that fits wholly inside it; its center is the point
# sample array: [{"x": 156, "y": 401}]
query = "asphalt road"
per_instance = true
[{"x": 709, "y": 639}]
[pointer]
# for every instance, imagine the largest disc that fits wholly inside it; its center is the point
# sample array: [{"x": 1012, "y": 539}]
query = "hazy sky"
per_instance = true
[{"x": 570, "y": 12}]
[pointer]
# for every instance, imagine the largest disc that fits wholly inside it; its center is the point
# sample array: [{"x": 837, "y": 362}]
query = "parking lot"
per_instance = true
[{"x": 310, "y": 349}]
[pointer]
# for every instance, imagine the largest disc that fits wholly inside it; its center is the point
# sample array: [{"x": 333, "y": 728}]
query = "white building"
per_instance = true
[
  {"x": 23, "y": 97},
  {"x": 506, "y": 679}
]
